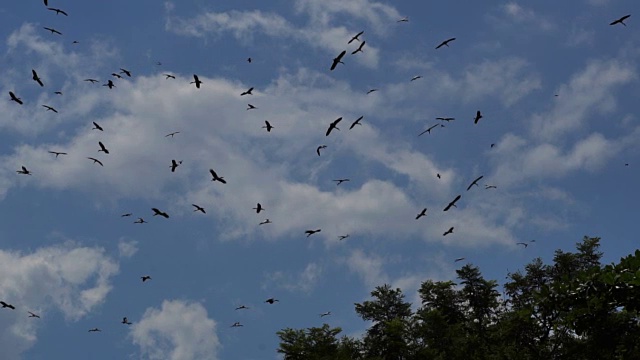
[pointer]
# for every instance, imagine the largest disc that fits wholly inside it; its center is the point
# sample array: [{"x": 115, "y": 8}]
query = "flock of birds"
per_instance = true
[{"x": 215, "y": 177}]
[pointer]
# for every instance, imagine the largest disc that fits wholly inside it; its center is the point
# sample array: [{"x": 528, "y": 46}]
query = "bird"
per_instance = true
[
  {"x": 359, "y": 49},
  {"x": 58, "y": 92},
  {"x": 96, "y": 161},
  {"x": 338, "y": 60},
  {"x": 404, "y": 19},
  {"x": 242, "y": 307},
  {"x": 126, "y": 215},
  {"x": 445, "y": 43},
  {"x": 94, "y": 330},
  {"x": 320, "y": 147},
  {"x": 342, "y": 237},
  {"x": 24, "y": 171},
  {"x": 523, "y": 244},
  {"x": 109, "y": 84},
  {"x": 126, "y": 72},
  {"x": 53, "y": 31},
  {"x": 478, "y": 117},
  {"x": 93, "y": 81},
  {"x": 169, "y": 76},
  {"x": 340, "y": 181},
  {"x": 453, "y": 203},
  {"x": 422, "y": 213},
  {"x": 311, "y": 232},
  {"x": 236, "y": 324},
  {"x": 126, "y": 321},
  {"x": 15, "y": 98},
  {"x": 325, "y": 314},
  {"x": 6, "y": 305},
  {"x": 96, "y": 126},
  {"x": 216, "y": 177},
  {"x": 36, "y": 78},
  {"x": 428, "y": 130},
  {"x": 32, "y": 315},
  {"x": 56, "y": 153},
  {"x": 116, "y": 75},
  {"x": 258, "y": 208},
  {"x": 438, "y": 176},
  {"x": 103, "y": 148},
  {"x": 474, "y": 182},
  {"x": 46, "y": 2},
  {"x": 333, "y": 125},
  {"x": 416, "y": 77},
  {"x": 76, "y": 42},
  {"x": 492, "y": 145},
  {"x": 458, "y": 259},
  {"x": 196, "y": 81},
  {"x": 140, "y": 221},
  {"x": 447, "y": 119},
  {"x": 199, "y": 208},
  {"x": 173, "y": 133},
  {"x": 267, "y": 126},
  {"x": 490, "y": 187},
  {"x": 250, "y": 107},
  {"x": 174, "y": 165},
  {"x": 161, "y": 213},
  {"x": 248, "y": 92},
  {"x": 145, "y": 278},
  {"x": 371, "y": 90},
  {"x": 357, "y": 122},
  {"x": 58, "y": 11},
  {"x": 266, "y": 221},
  {"x": 271, "y": 300},
  {"x": 50, "y": 108},
  {"x": 450, "y": 231},
  {"x": 621, "y": 20},
  {"x": 356, "y": 37}
]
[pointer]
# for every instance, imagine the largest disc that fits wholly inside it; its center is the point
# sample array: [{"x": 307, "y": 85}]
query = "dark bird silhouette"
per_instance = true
[
  {"x": 492, "y": 145},
  {"x": 24, "y": 171},
  {"x": 15, "y": 98},
  {"x": 161, "y": 213},
  {"x": 216, "y": 177},
  {"x": 93, "y": 81},
  {"x": 145, "y": 278},
  {"x": 404, "y": 19},
  {"x": 311, "y": 232},
  {"x": 96, "y": 161},
  {"x": 76, "y": 42},
  {"x": 342, "y": 237},
  {"x": 242, "y": 307},
  {"x": 422, "y": 213},
  {"x": 266, "y": 221},
  {"x": 126, "y": 321},
  {"x": 6, "y": 305},
  {"x": 58, "y": 92},
  {"x": 621, "y": 20},
  {"x": 174, "y": 165},
  {"x": 445, "y": 43},
  {"x": 267, "y": 126},
  {"x": 271, "y": 300},
  {"x": 453, "y": 203},
  {"x": 46, "y": 2},
  {"x": 32, "y": 315},
  {"x": 196, "y": 81},
  {"x": 248, "y": 92},
  {"x": 356, "y": 37},
  {"x": 438, "y": 176},
  {"x": 198, "y": 208},
  {"x": 250, "y": 107},
  {"x": 118, "y": 76},
  {"x": 359, "y": 49},
  {"x": 338, "y": 60},
  {"x": 429, "y": 129},
  {"x": 258, "y": 208},
  {"x": 478, "y": 117},
  {"x": 173, "y": 133},
  {"x": 249, "y": 60},
  {"x": 490, "y": 187},
  {"x": 450, "y": 231},
  {"x": 371, "y": 90},
  {"x": 416, "y": 77},
  {"x": 523, "y": 244},
  {"x": 58, "y": 11},
  {"x": 474, "y": 182},
  {"x": 94, "y": 330},
  {"x": 236, "y": 324},
  {"x": 126, "y": 215},
  {"x": 109, "y": 84},
  {"x": 447, "y": 119},
  {"x": 357, "y": 122},
  {"x": 36, "y": 78},
  {"x": 140, "y": 221},
  {"x": 97, "y": 127},
  {"x": 320, "y": 147},
  {"x": 126, "y": 72},
  {"x": 56, "y": 153},
  {"x": 325, "y": 314},
  {"x": 458, "y": 259},
  {"x": 50, "y": 108},
  {"x": 340, "y": 181},
  {"x": 169, "y": 76},
  {"x": 103, "y": 148},
  {"x": 53, "y": 31},
  {"x": 333, "y": 125}
]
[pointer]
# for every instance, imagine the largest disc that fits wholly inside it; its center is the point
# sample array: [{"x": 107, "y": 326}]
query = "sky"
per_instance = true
[{"x": 558, "y": 144}]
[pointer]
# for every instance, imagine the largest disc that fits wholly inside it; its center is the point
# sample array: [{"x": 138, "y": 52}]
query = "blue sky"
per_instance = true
[{"x": 559, "y": 163}]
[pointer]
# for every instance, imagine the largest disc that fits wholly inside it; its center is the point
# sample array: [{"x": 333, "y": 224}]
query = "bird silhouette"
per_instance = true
[
  {"x": 24, "y": 171},
  {"x": 169, "y": 76},
  {"x": 404, "y": 19},
  {"x": 271, "y": 301},
  {"x": 174, "y": 165},
  {"x": 7, "y": 305},
  {"x": 56, "y": 153},
  {"x": 325, "y": 314},
  {"x": 32, "y": 315},
  {"x": 357, "y": 122},
  {"x": 58, "y": 11},
  {"x": 173, "y": 133},
  {"x": 311, "y": 232},
  {"x": 97, "y": 127},
  {"x": 266, "y": 221},
  {"x": 371, "y": 90},
  {"x": 356, "y": 37},
  {"x": 320, "y": 147},
  {"x": 258, "y": 208},
  {"x": 621, "y": 20},
  {"x": 50, "y": 108},
  {"x": 53, "y": 31},
  {"x": 450, "y": 231},
  {"x": 145, "y": 278},
  {"x": 428, "y": 130},
  {"x": 216, "y": 177},
  {"x": 422, "y": 213},
  {"x": 102, "y": 148},
  {"x": 474, "y": 182},
  {"x": 196, "y": 81},
  {"x": 248, "y": 92},
  {"x": 93, "y": 81},
  {"x": 118, "y": 76},
  {"x": 198, "y": 208},
  {"x": 250, "y": 107},
  {"x": 125, "y": 321},
  {"x": 58, "y": 92},
  {"x": 478, "y": 117},
  {"x": 359, "y": 49},
  {"x": 333, "y": 125},
  {"x": 126, "y": 72},
  {"x": 109, "y": 84},
  {"x": 458, "y": 259},
  {"x": 126, "y": 215},
  {"x": 490, "y": 187},
  {"x": 523, "y": 244},
  {"x": 447, "y": 119},
  {"x": 161, "y": 213},
  {"x": 340, "y": 181},
  {"x": 416, "y": 78},
  {"x": 96, "y": 161},
  {"x": 338, "y": 60},
  {"x": 267, "y": 126},
  {"x": 140, "y": 221},
  {"x": 94, "y": 330},
  {"x": 36, "y": 78},
  {"x": 15, "y": 98},
  {"x": 452, "y": 203},
  {"x": 438, "y": 176},
  {"x": 342, "y": 237},
  {"x": 445, "y": 43},
  {"x": 236, "y": 324},
  {"x": 242, "y": 307}
]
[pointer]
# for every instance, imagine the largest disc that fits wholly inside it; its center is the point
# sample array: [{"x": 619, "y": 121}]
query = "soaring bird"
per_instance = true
[
  {"x": 58, "y": 92},
  {"x": 56, "y": 153},
  {"x": 36, "y": 78},
  {"x": 249, "y": 60},
  {"x": 96, "y": 161},
  {"x": 53, "y": 31},
  {"x": 109, "y": 84},
  {"x": 248, "y": 92},
  {"x": 242, "y": 307},
  {"x": 196, "y": 81},
  {"x": 359, "y": 49},
  {"x": 58, "y": 11},
  {"x": 320, "y": 147},
  {"x": 15, "y": 98},
  {"x": 458, "y": 259},
  {"x": 325, "y": 314},
  {"x": 428, "y": 130},
  {"x": 422, "y": 213},
  {"x": 250, "y": 107},
  {"x": 161, "y": 213},
  {"x": 258, "y": 208},
  {"x": 216, "y": 177},
  {"x": 126, "y": 321},
  {"x": 523, "y": 244},
  {"x": 198, "y": 208},
  {"x": 236, "y": 324},
  {"x": 447, "y": 119},
  {"x": 93, "y": 81},
  {"x": 169, "y": 76},
  {"x": 94, "y": 330},
  {"x": 126, "y": 215},
  {"x": 490, "y": 187},
  {"x": 371, "y": 90},
  {"x": 271, "y": 300},
  {"x": 342, "y": 237},
  {"x": 311, "y": 232},
  {"x": 267, "y": 126},
  {"x": 333, "y": 125},
  {"x": 46, "y": 2},
  {"x": 453, "y": 203},
  {"x": 416, "y": 77},
  {"x": 24, "y": 171},
  {"x": 145, "y": 278},
  {"x": 478, "y": 117},
  {"x": 97, "y": 127},
  {"x": 126, "y": 72},
  {"x": 50, "y": 108},
  {"x": 338, "y": 60},
  {"x": 356, "y": 37},
  {"x": 445, "y": 43},
  {"x": 174, "y": 165},
  {"x": 340, "y": 181},
  {"x": 32, "y": 315},
  {"x": 450, "y": 231},
  {"x": 404, "y": 19},
  {"x": 103, "y": 148},
  {"x": 118, "y": 76},
  {"x": 474, "y": 182},
  {"x": 621, "y": 20},
  {"x": 6, "y": 305},
  {"x": 266, "y": 221},
  {"x": 173, "y": 133},
  {"x": 357, "y": 122},
  {"x": 140, "y": 221}
]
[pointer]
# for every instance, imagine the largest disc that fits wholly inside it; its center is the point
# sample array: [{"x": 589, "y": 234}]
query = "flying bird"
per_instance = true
[
  {"x": 24, "y": 171},
  {"x": 145, "y": 278},
  {"x": 116, "y": 75},
  {"x": 490, "y": 187},
  {"x": 250, "y": 107},
  {"x": 242, "y": 307},
  {"x": 103, "y": 148},
  {"x": 267, "y": 126},
  {"x": 445, "y": 43},
  {"x": 523, "y": 244},
  {"x": 325, "y": 314},
  {"x": 359, "y": 49},
  {"x": 173, "y": 133},
  {"x": 109, "y": 84},
  {"x": 126, "y": 321},
  {"x": 428, "y": 130},
  {"x": 438, "y": 176},
  {"x": 6, "y": 305},
  {"x": 169, "y": 76},
  {"x": 96, "y": 161},
  {"x": 478, "y": 117},
  {"x": 266, "y": 221},
  {"x": 236, "y": 324},
  {"x": 15, "y": 98},
  {"x": 32, "y": 315},
  {"x": 97, "y": 127},
  {"x": 311, "y": 232},
  {"x": 357, "y": 122},
  {"x": 371, "y": 90},
  {"x": 416, "y": 77},
  {"x": 58, "y": 92},
  {"x": 450, "y": 231},
  {"x": 447, "y": 119},
  {"x": 258, "y": 208},
  {"x": 333, "y": 125},
  {"x": 422, "y": 213},
  {"x": 174, "y": 165},
  {"x": 46, "y": 2},
  {"x": 404, "y": 19},
  {"x": 196, "y": 81},
  {"x": 57, "y": 153},
  {"x": 161, "y": 213},
  {"x": 249, "y": 60},
  {"x": 126, "y": 215},
  {"x": 320, "y": 147},
  {"x": 453, "y": 203},
  {"x": 356, "y": 37},
  {"x": 474, "y": 182},
  {"x": 340, "y": 181},
  {"x": 458, "y": 259},
  {"x": 140, "y": 221},
  {"x": 338, "y": 60},
  {"x": 58, "y": 11},
  {"x": 271, "y": 300},
  {"x": 53, "y": 31},
  {"x": 94, "y": 330},
  {"x": 342, "y": 237},
  {"x": 621, "y": 20},
  {"x": 216, "y": 177},
  {"x": 50, "y": 108},
  {"x": 93, "y": 81},
  {"x": 36, "y": 78},
  {"x": 126, "y": 72},
  {"x": 248, "y": 92},
  {"x": 198, "y": 208}
]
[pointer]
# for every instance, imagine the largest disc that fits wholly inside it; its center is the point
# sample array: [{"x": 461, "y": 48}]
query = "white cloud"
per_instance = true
[
  {"x": 522, "y": 15},
  {"x": 304, "y": 281},
  {"x": 127, "y": 249},
  {"x": 179, "y": 330}
]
